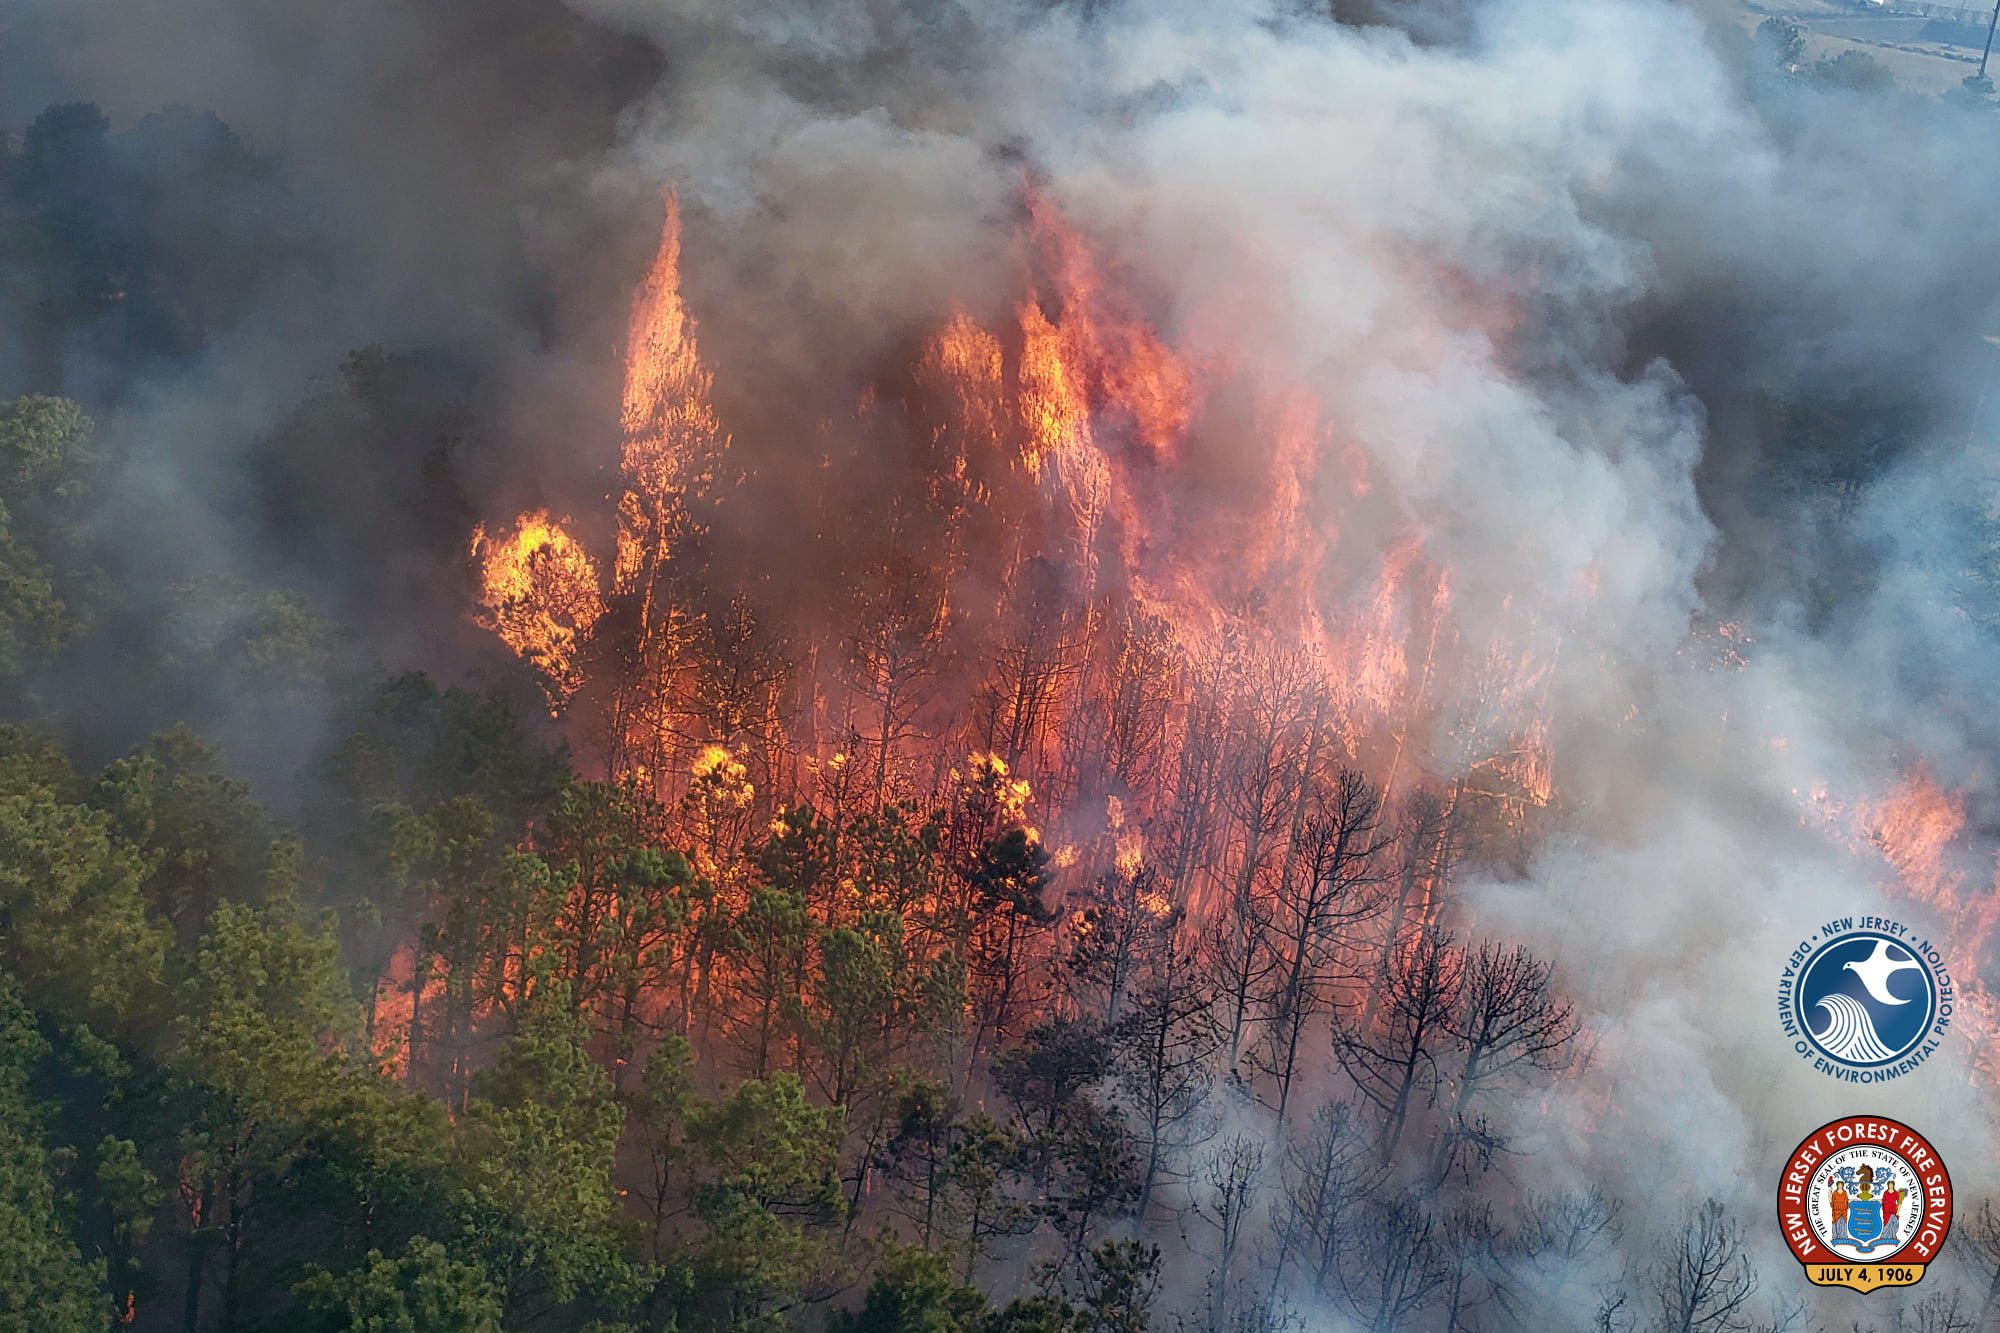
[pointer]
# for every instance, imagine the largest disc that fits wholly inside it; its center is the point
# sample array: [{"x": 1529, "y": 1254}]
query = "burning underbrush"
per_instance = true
[
  {"x": 1082, "y": 783},
  {"x": 1201, "y": 662}
]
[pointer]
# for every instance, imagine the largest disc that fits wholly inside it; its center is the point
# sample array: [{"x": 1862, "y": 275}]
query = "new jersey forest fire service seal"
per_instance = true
[
  {"x": 1865, "y": 1202},
  {"x": 1865, "y": 999}
]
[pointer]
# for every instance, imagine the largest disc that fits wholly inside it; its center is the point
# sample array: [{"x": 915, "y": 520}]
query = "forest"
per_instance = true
[{"x": 1006, "y": 887}]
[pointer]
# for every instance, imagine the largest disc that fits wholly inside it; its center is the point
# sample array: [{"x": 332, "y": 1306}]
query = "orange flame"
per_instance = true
[
  {"x": 1917, "y": 830},
  {"x": 1070, "y": 438},
  {"x": 672, "y": 437},
  {"x": 539, "y": 593}
]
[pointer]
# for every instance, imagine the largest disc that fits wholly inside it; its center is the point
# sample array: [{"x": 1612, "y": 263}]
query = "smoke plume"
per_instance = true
[{"x": 1497, "y": 305}]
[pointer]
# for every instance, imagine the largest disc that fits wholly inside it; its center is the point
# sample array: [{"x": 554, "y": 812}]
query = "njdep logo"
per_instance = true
[
  {"x": 1864, "y": 999},
  {"x": 1865, "y": 1202}
]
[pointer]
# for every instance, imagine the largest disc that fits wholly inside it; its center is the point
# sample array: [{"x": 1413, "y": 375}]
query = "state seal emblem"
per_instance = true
[
  {"x": 1865, "y": 1202},
  {"x": 1865, "y": 999}
]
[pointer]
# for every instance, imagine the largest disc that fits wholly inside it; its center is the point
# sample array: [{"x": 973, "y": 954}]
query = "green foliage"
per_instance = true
[
  {"x": 73, "y": 923},
  {"x": 366, "y": 461},
  {"x": 1119, "y": 1282},
  {"x": 1852, "y": 71},
  {"x": 1032, "y": 1314},
  {"x": 914, "y": 1292},
  {"x": 376, "y": 1161},
  {"x": 128, "y": 1195},
  {"x": 127, "y": 1188},
  {"x": 45, "y": 1286},
  {"x": 1781, "y": 44},
  {"x": 769, "y": 945},
  {"x": 260, "y": 1015},
  {"x": 876, "y": 1003},
  {"x": 616, "y": 900},
  {"x": 769, "y": 1146},
  {"x": 658, "y": 1119},
  {"x": 135, "y": 248},
  {"x": 248, "y": 639},
  {"x": 1114, "y": 1287},
  {"x": 425, "y": 1291},
  {"x": 1010, "y": 875},
  {"x": 414, "y": 815},
  {"x": 959, "y": 1172},
  {"x": 766, "y": 1192},
  {"x": 46, "y": 466},
  {"x": 1048, "y": 1073},
  {"x": 257, "y": 1009},
  {"x": 205, "y": 841},
  {"x": 409, "y": 743},
  {"x": 534, "y": 1167}
]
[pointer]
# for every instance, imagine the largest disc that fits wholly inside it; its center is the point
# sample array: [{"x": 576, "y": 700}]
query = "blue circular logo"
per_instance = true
[{"x": 1866, "y": 1000}]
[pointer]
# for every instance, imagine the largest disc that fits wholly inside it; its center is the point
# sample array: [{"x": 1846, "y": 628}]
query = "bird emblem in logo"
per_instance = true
[{"x": 1866, "y": 1004}]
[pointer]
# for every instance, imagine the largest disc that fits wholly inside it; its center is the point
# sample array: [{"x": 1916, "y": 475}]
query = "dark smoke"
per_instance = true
[{"x": 1735, "y": 372}]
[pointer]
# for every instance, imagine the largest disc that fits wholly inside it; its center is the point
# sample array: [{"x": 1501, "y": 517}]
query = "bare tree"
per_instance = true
[
  {"x": 1330, "y": 1170},
  {"x": 1469, "y": 1240},
  {"x": 890, "y": 660},
  {"x": 1232, "y": 1177},
  {"x": 1394, "y": 1062},
  {"x": 1274, "y": 731},
  {"x": 1122, "y": 730},
  {"x": 1556, "y": 1241},
  {"x": 1236, "y": 965},
  {"x": 1337, "y": 847},
  {"x": 1040, "y": 653},
  {"x": 1508, "y": 1022},
  {"x": 1702, "y": 1281},
  {"x": 1424, "y": 836},
  {"x": 1981, "y": 1245},
  {"x": 1792, "y": 1313},
  {"x": 1190, "y": 823},
  {"x": 1125, "y": 924},
  {"x": 1393, "y": 1262},
  {"x": 1939, "y": 1312},
  {"x": 1164, "y": 1047},
  {"x": 736, "y": 687}
]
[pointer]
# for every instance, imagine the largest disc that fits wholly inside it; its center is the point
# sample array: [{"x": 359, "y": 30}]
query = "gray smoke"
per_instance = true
[
  {"x": 1544, "y": 265},
  {"x": 1542, "y": 273}
]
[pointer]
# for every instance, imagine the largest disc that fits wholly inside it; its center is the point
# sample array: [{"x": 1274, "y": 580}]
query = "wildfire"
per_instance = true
[
  {"x": 987, "y": 776},
  {"x": 969, "y": 362},
  {"x": 539, "y": 588},
  {"x": 1915, "y": 828},
  {"x": 1078, "y": 611},
  {"x": 1116, "y": 354},
  {"x": 1917, "y": 831},
  {"x": 672, "y": 438},
  {"x": 539, "y": 593},
  {"x": 717, "y": 771},
  {"x": 1129, "y": 843}
]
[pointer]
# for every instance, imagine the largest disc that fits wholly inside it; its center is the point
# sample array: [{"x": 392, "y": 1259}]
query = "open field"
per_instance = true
[{"x": 1925, "y": 54}]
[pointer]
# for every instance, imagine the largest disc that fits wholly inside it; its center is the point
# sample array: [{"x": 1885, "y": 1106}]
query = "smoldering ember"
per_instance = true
[{"x": 1046, "y": 666}]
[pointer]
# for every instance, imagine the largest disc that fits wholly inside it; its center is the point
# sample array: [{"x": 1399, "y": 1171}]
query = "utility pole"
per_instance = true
[{"x": 1990, "y": 25}]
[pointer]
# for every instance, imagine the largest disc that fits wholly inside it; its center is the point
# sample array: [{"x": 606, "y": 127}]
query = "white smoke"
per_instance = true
[
  {"x": 1451, "y": 247},
  {"x": 1535, "y": 276}
]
